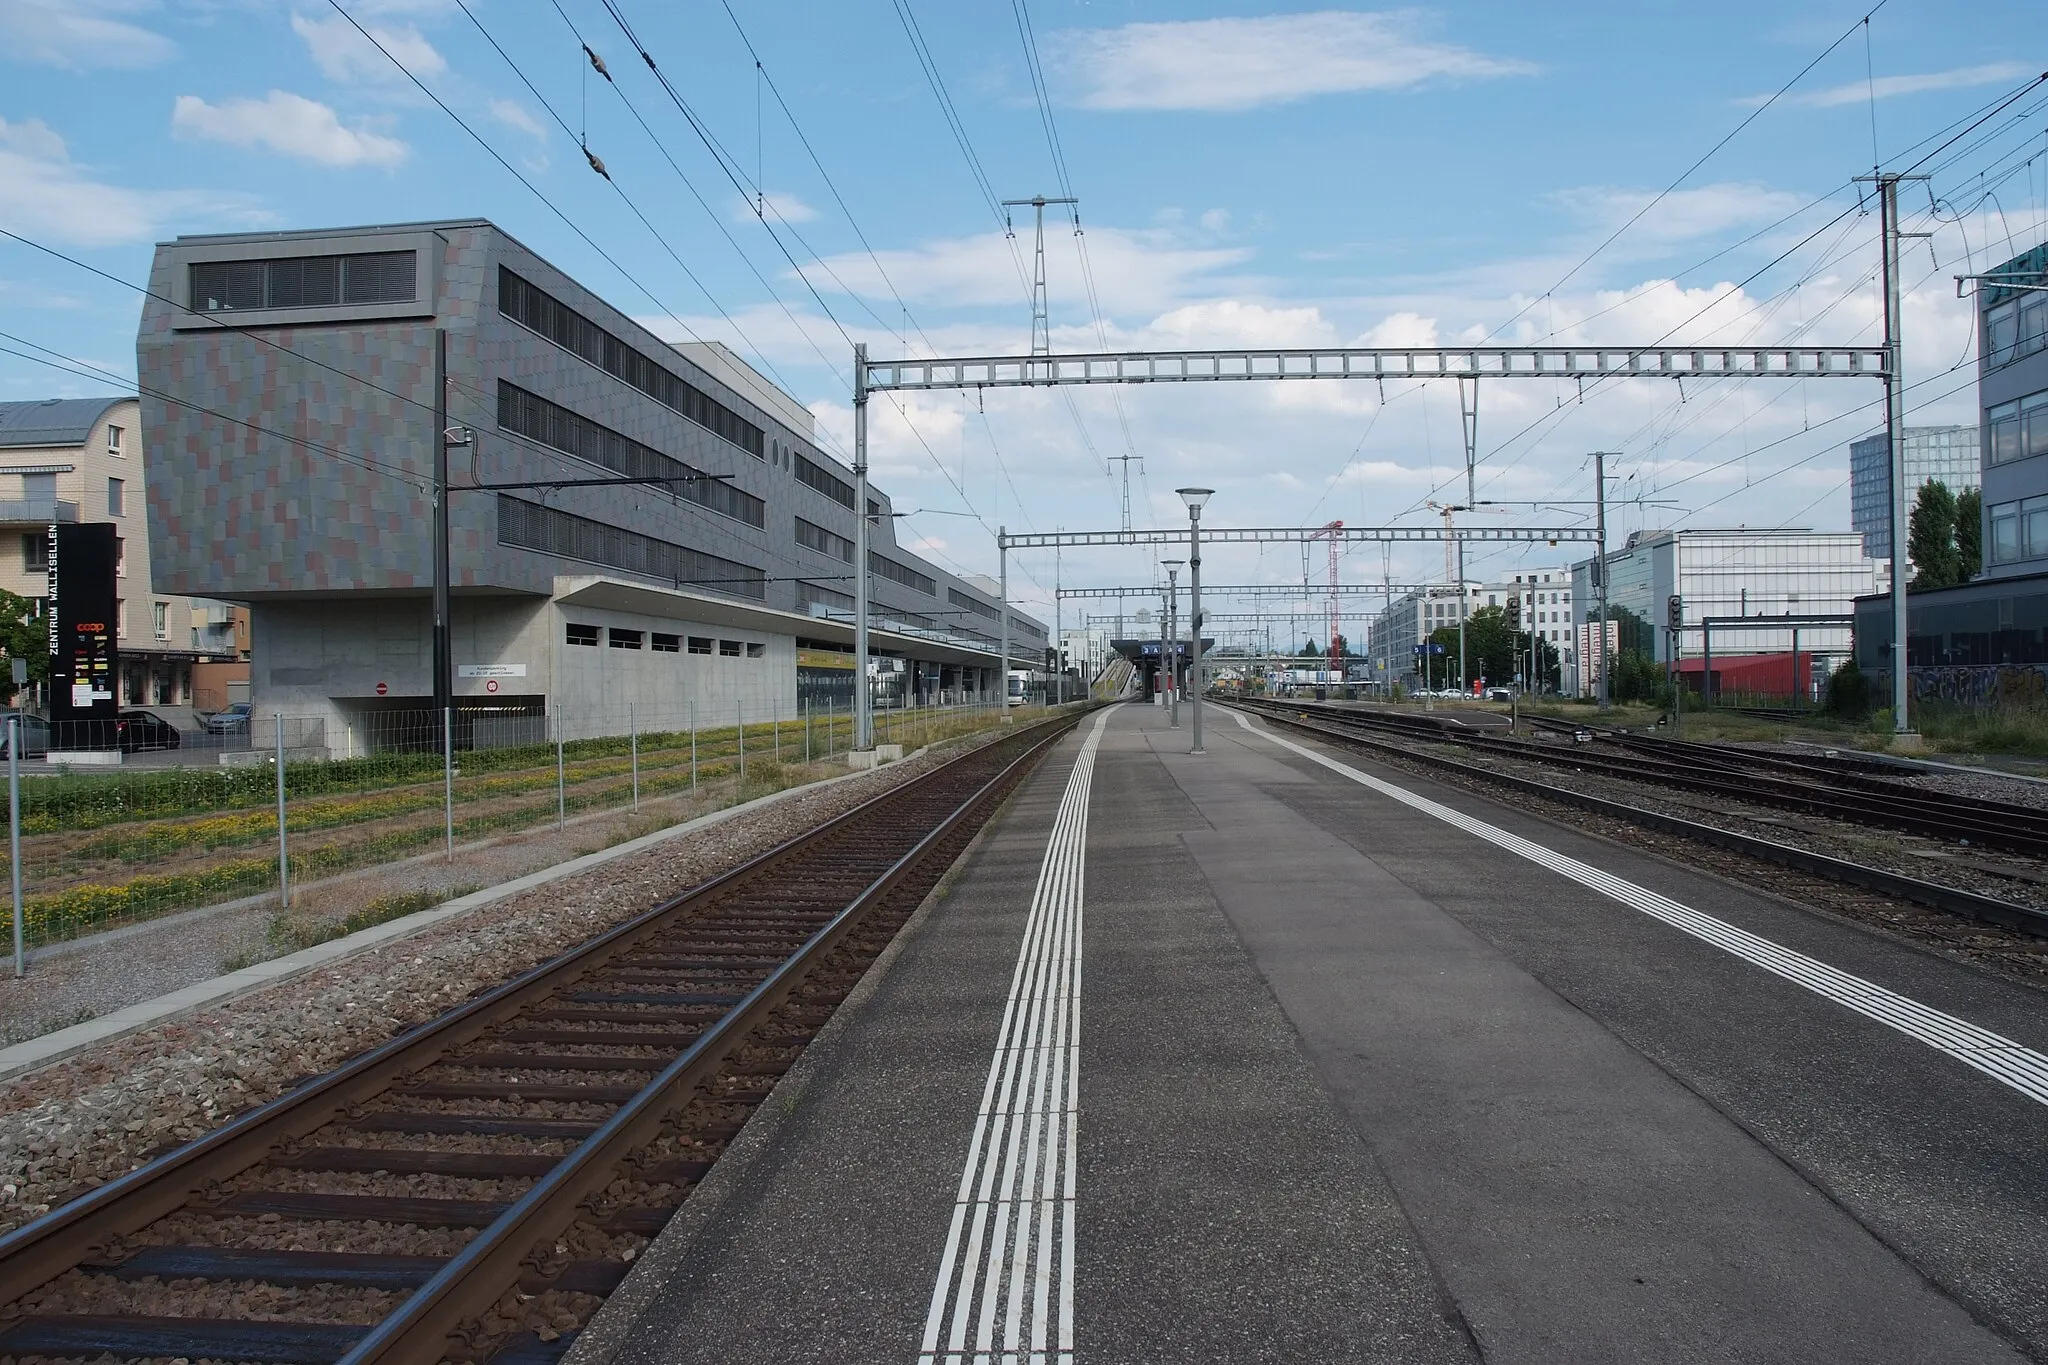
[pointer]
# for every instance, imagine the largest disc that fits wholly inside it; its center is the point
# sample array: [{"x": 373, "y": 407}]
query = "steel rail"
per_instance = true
[
  {"x": 1951, "y": 899},
  {"x": 475, "y": 1277},
  {"x": 1717, "y": 770},
  {"x": 69, "y": 1235}
]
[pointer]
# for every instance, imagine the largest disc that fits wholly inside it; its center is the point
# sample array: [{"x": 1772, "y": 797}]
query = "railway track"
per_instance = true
[
  {"x": 472, "y": 1189},
  {"x": 1350, "y": 727},
  {"x": 1828, "y": 787}
]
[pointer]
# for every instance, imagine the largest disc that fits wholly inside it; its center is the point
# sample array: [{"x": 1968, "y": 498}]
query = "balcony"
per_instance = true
[{"x": 40, "y": 510}]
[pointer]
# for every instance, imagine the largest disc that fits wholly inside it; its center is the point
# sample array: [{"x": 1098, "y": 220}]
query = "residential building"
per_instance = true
[
  {"x": 291, "y": 443},
  {"x": 1407, "y": 622},
  {"x": 79, "y": 460},
  {"x": 1947, "y": 454},
  {"x": 1726, "y": 575}
]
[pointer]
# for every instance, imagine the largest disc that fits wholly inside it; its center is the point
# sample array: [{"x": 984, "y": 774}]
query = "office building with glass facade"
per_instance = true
[{"x": 1944, "y": 454}]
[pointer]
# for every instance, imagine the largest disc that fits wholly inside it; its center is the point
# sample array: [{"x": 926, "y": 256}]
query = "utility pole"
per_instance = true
[
  {"x": 1059, "y": 636},
  {"x": 1600, "y": 569},
  {"x": 444, "y": 683},
  {"x": 1468, "y": 420},
  {"x": 1895, "y": 442},
  {"x": 1003, "y": 593},
  {"x": 1041, "y": 327},
  {"x": 1125, "y": 460},
  {"x": 863, "y": 699}
]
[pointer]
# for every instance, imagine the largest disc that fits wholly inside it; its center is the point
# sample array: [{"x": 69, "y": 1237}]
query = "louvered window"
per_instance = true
[{"x": 304, "y": 282}]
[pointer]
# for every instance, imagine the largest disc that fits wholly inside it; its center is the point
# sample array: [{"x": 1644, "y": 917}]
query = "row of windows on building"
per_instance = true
[
  {"x": 661, "y": 642},
  {"x": 2018, "y": 429},
  {"x": 2019, "y": 530},
  {"x": 2015, "y": 328}
]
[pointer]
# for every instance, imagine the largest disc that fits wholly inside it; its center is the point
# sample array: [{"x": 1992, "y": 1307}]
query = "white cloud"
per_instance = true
[
  {"x": 513, "y": 115},
  {"x": 1885, "y": 87},
  {"x": 78, "y": 34},
  {"x": 45, "y": 195},
  {"x": 1705, "y": 211},
  {"x": 1231, "y": 64},
  {"x": 343, "y": 54},
  {"x": 785, "y": 207},
  {"x": 286, "y": 123}
]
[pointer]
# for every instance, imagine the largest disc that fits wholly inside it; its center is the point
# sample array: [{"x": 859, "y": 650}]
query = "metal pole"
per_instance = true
[
  {"x": 863, "y": 702},
  {"x": 633, "y": 726},
  {"x": 1895, "y": 440},
  {"x": 1003, "y": 593},
  {"x": 1468, "y": 417},
  {"x": 284, "y": 865},
  {"x": 693, "y": 746},
  {"x": 808, "y": 708},
  {"x": 1461, "y": 616},
  {"x": 775, "y": 724},
  {"x": 444, "y": 669},
  {"x": 1600, "y": 503},
  {"x": 1195, "y": 624},
  {"x": 561, "y": 776},
  {"x": 740, "y": 709},
  {"x": 14, "y": 834},
  {"x": 1162, "y": 649}
]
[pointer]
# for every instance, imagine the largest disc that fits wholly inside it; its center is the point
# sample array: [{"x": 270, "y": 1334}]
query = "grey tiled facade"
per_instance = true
[{"x": 291, "y": 465}]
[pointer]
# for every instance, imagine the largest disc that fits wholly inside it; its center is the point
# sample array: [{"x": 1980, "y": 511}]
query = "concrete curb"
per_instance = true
[{"x": 23, "y": 1057}]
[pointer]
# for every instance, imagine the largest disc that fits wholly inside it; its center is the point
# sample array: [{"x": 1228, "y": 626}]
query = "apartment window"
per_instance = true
[
  {"x": 582, "y": 635},
  {"x": 755, "y": 651},
  {"x": 2019, "y": 530},
  {"x": 160, "y": 620},
  {"x": 700, "y": 644},
  {"x": 35, "y": 553},
  {"x": 731, "y": 649},
  {"x": 626, "y": 639},
  {"x": 114, "y": 441},
  {"x": 303, "y": 282},
  {"x": 2018, "y": 429},
  {"x": 665, "y": 644},
  {"x": 116, "y": 497},
  {"x": 120, "y": 557}
]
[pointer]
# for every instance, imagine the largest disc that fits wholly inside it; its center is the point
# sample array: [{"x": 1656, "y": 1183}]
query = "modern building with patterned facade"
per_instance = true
[
  {"x": 1946, "y": 454},
  {"x": 79, "y": 460},
  {"x": 288, "y": 428}
]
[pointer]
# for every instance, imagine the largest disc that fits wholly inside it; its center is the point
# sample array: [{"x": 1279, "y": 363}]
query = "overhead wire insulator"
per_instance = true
[{"x": 595, "y": 163}]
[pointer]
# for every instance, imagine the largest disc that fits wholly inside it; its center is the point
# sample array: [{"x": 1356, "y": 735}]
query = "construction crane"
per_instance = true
[{"x": 1336, "y": 598}]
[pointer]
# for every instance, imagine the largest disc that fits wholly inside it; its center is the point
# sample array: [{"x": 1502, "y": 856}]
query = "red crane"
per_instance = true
[{"x": 1335, "y": 622}]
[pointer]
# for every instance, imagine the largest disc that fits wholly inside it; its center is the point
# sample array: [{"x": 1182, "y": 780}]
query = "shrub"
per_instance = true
[{"x": 1848, "y": 692}]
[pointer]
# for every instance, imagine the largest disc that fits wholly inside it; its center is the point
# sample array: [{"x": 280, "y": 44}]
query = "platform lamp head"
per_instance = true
[{"x": 1194, "y": 498}]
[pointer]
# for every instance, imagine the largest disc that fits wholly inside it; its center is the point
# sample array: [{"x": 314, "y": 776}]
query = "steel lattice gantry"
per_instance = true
[
  {"x": 1262, "y": 364},
  {"x": 1485, "y": 362},
  {"x": 1279, "y": 591},
  {"x": 1041, "y": 540}
]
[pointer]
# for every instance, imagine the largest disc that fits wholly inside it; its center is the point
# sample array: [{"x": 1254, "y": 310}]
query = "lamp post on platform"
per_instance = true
[{"x": 1194, "y": 498}]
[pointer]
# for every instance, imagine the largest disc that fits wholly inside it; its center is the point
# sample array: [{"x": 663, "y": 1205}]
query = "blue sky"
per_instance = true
[{"x": 1249, "y": 174}]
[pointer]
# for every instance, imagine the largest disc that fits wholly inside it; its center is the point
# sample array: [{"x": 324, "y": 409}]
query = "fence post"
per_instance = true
[
  {"x": 808, "y": 708},
  {"x": 633, "y": 724},
  {"x": 448, "y": 775},
  {"x": 775, "y": 724},
  {"x": 693, "y": 746},
  {"x": 741, "y": 709},
  {"x": 284, "y": 863},
  {"x": 14, "y": 834},
  {"x": 561, "y": 777}
]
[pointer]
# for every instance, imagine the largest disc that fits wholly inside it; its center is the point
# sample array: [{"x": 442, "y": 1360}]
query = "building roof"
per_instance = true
[{"x": 52, "y": 421}]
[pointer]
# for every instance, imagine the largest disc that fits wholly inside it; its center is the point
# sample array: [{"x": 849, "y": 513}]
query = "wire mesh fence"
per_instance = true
[{"x": 304, "y": 816}]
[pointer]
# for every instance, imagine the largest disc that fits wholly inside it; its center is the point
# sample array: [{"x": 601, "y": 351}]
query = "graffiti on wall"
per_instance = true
[{"x": 1981, "y": 684}]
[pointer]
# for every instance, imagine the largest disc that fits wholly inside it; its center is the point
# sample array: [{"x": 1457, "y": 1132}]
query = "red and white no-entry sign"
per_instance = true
[{"x": 382, "y": 688}]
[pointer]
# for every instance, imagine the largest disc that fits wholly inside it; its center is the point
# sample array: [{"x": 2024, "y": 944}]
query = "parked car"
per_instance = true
[
  {"x": 233, "y": 721},
  {"x": 135, "y": 730},
  {"x": 35, "y": 734}
]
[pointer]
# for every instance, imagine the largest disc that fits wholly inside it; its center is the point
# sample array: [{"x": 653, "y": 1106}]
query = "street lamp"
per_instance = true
[
  {"x": 1194, "y": 498},
  {"x": 1169, "y": 645}
]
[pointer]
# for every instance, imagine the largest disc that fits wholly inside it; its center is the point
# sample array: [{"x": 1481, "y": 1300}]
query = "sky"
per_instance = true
[{"x": 804, "y": 176}]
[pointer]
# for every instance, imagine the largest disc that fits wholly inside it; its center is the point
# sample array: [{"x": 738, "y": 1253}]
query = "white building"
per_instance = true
[{"x": 1407, "y": 622}]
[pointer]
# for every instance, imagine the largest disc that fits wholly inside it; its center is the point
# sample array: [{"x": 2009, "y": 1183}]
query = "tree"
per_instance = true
[
  {"x": 1969, "y": 535},
  {"x": 1489, "y": 645},
  {"x": 22, "y": 636},
  {"x": 1311, "y": 650},
  {"x": 1931, "y": 537},
  {"x": 1848, "y": 692}
]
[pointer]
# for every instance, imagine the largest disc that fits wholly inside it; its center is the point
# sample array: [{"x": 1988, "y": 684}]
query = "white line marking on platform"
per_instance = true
[
  {"x": 1012, "y": 1235},
  {"x": 1998, "y": 1057}
]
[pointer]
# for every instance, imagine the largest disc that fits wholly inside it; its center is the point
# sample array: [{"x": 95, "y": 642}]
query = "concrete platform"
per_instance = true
[{"x": 1318, "y": 1062}]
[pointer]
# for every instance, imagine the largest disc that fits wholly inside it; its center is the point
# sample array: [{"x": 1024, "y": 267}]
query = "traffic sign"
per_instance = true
[{"x": 382, "y": 688}]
